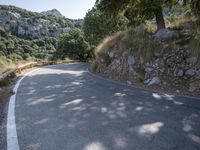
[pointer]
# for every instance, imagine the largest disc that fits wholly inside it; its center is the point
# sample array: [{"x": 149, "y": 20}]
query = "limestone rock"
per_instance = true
[
  {"x": 190, "y": 72},
  {"x": 110, "y": 54},
  {"x": 149, "y": 69},
  {"x": 166, "y": 34},
  {"x": 180, "y": 73},
  {"x": 154, "y": 81},
  {"x": 129, "y": 82},
  {"x": 32, "y": 26},
  {"x": 147, "y": 81},
  {"x": 131, "y": 60}
]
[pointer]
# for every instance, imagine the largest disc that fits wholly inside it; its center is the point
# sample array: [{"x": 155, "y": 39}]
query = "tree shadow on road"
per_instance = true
[{"x": 63, "y": 107}]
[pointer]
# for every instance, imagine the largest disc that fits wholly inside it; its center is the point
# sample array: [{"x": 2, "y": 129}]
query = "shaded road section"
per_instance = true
[{"x": 63, "y": 107}]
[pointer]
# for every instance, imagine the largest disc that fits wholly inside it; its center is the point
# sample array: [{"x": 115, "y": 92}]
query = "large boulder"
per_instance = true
[{"x": 166, "y": 34}]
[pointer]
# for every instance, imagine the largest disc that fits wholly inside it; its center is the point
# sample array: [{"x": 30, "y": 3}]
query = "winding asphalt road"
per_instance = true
[{"x": 64, "y": 107}]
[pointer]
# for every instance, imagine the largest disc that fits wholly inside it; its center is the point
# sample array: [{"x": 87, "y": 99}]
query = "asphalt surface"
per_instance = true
[{"x": 63, "y": 107}]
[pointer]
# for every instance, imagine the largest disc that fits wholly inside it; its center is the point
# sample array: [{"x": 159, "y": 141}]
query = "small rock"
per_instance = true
[
  {"x": 154, "y": 81},
  {"x": 111, "y": 54},
  {"x": 192, "y": 87},
  {"x": 147, "y": 81},
  {"x": 190, "y": 72},
  {"x": 178, "y": 91},
  {"x": 149, "y": 69},
  {"x": 186, "y": 46},
  {"x": 102, "y": 60},
  {"x": 129, "y": 82},
  {"x": 192, "y": 60},
  {"x": 131, "y": 68},
  {"x": 131, "y": 60},
  {"x": 180, "y": 73},
  {"x": 118, "y": 61}
]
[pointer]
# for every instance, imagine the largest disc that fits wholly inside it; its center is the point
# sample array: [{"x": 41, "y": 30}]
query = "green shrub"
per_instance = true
[{"x": 73, "y": 45}]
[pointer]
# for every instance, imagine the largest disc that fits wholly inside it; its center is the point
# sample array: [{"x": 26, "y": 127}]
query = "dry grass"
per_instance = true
[
  {"x": 106, "y": 43},
  {"x": 195, "y": 42},
  {"x": 135, "y": 41},
  {"x": 176, "y": 22},
  {"x": 6, "y": 63},
  {"x": 151, "y": 26}
]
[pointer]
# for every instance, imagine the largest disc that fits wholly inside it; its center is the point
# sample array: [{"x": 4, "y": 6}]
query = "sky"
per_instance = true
[{"x": 74, "y": 9}]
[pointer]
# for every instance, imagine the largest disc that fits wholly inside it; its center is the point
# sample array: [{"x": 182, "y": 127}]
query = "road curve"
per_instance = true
[{"x": 63, "y": 107}]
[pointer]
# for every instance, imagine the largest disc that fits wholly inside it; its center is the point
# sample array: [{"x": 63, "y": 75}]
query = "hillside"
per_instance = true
[
  {"x": 166, "y": 60},
  {"x": 26, "y": 35}
]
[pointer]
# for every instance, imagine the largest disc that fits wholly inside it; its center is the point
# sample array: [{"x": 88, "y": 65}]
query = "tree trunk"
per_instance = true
[{"x": 159, "y": 19}]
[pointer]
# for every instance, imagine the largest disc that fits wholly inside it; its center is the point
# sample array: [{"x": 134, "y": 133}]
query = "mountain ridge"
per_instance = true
[{"x": 52, "y": 12}]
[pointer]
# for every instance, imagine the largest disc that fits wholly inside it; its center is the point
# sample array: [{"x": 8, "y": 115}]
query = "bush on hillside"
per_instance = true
[
  {"x": 73, "y": 45},
  {"x": 97, "y": 25}
]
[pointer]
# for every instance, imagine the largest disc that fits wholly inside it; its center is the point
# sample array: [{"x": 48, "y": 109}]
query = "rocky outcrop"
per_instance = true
[
  {"x": 173, "y": 71},
  {"x": 53, "y": 12},
  {"x": 33, "y": 25}
]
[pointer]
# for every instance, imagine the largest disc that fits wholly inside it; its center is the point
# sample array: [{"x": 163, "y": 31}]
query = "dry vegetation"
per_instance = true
[{"x": 140, "y": 40}]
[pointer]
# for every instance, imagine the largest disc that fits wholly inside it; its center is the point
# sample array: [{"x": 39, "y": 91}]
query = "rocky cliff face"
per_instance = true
[
  {"x": 32, "y": 25},
  {"x": 53, "y": 12}
]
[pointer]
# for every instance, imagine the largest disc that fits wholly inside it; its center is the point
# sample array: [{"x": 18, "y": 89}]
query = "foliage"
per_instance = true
[
  {"x": 194, "y": 5},
  {"x": 139, "y": 10},
  {"x": 98, "y": 25},
  {"x": 14, "y": 50},
  {"x": 73, "y": 45}
]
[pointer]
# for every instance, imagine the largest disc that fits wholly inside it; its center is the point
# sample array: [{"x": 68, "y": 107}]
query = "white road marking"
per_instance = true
[{"x": 12, "y": 140}]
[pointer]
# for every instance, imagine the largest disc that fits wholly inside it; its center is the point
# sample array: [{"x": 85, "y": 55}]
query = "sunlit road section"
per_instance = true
[{"x": 63, "y": 107}]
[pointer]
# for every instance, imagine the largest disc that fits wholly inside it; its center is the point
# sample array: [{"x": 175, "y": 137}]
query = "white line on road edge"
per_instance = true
[{"x": 12, "y": 140}]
